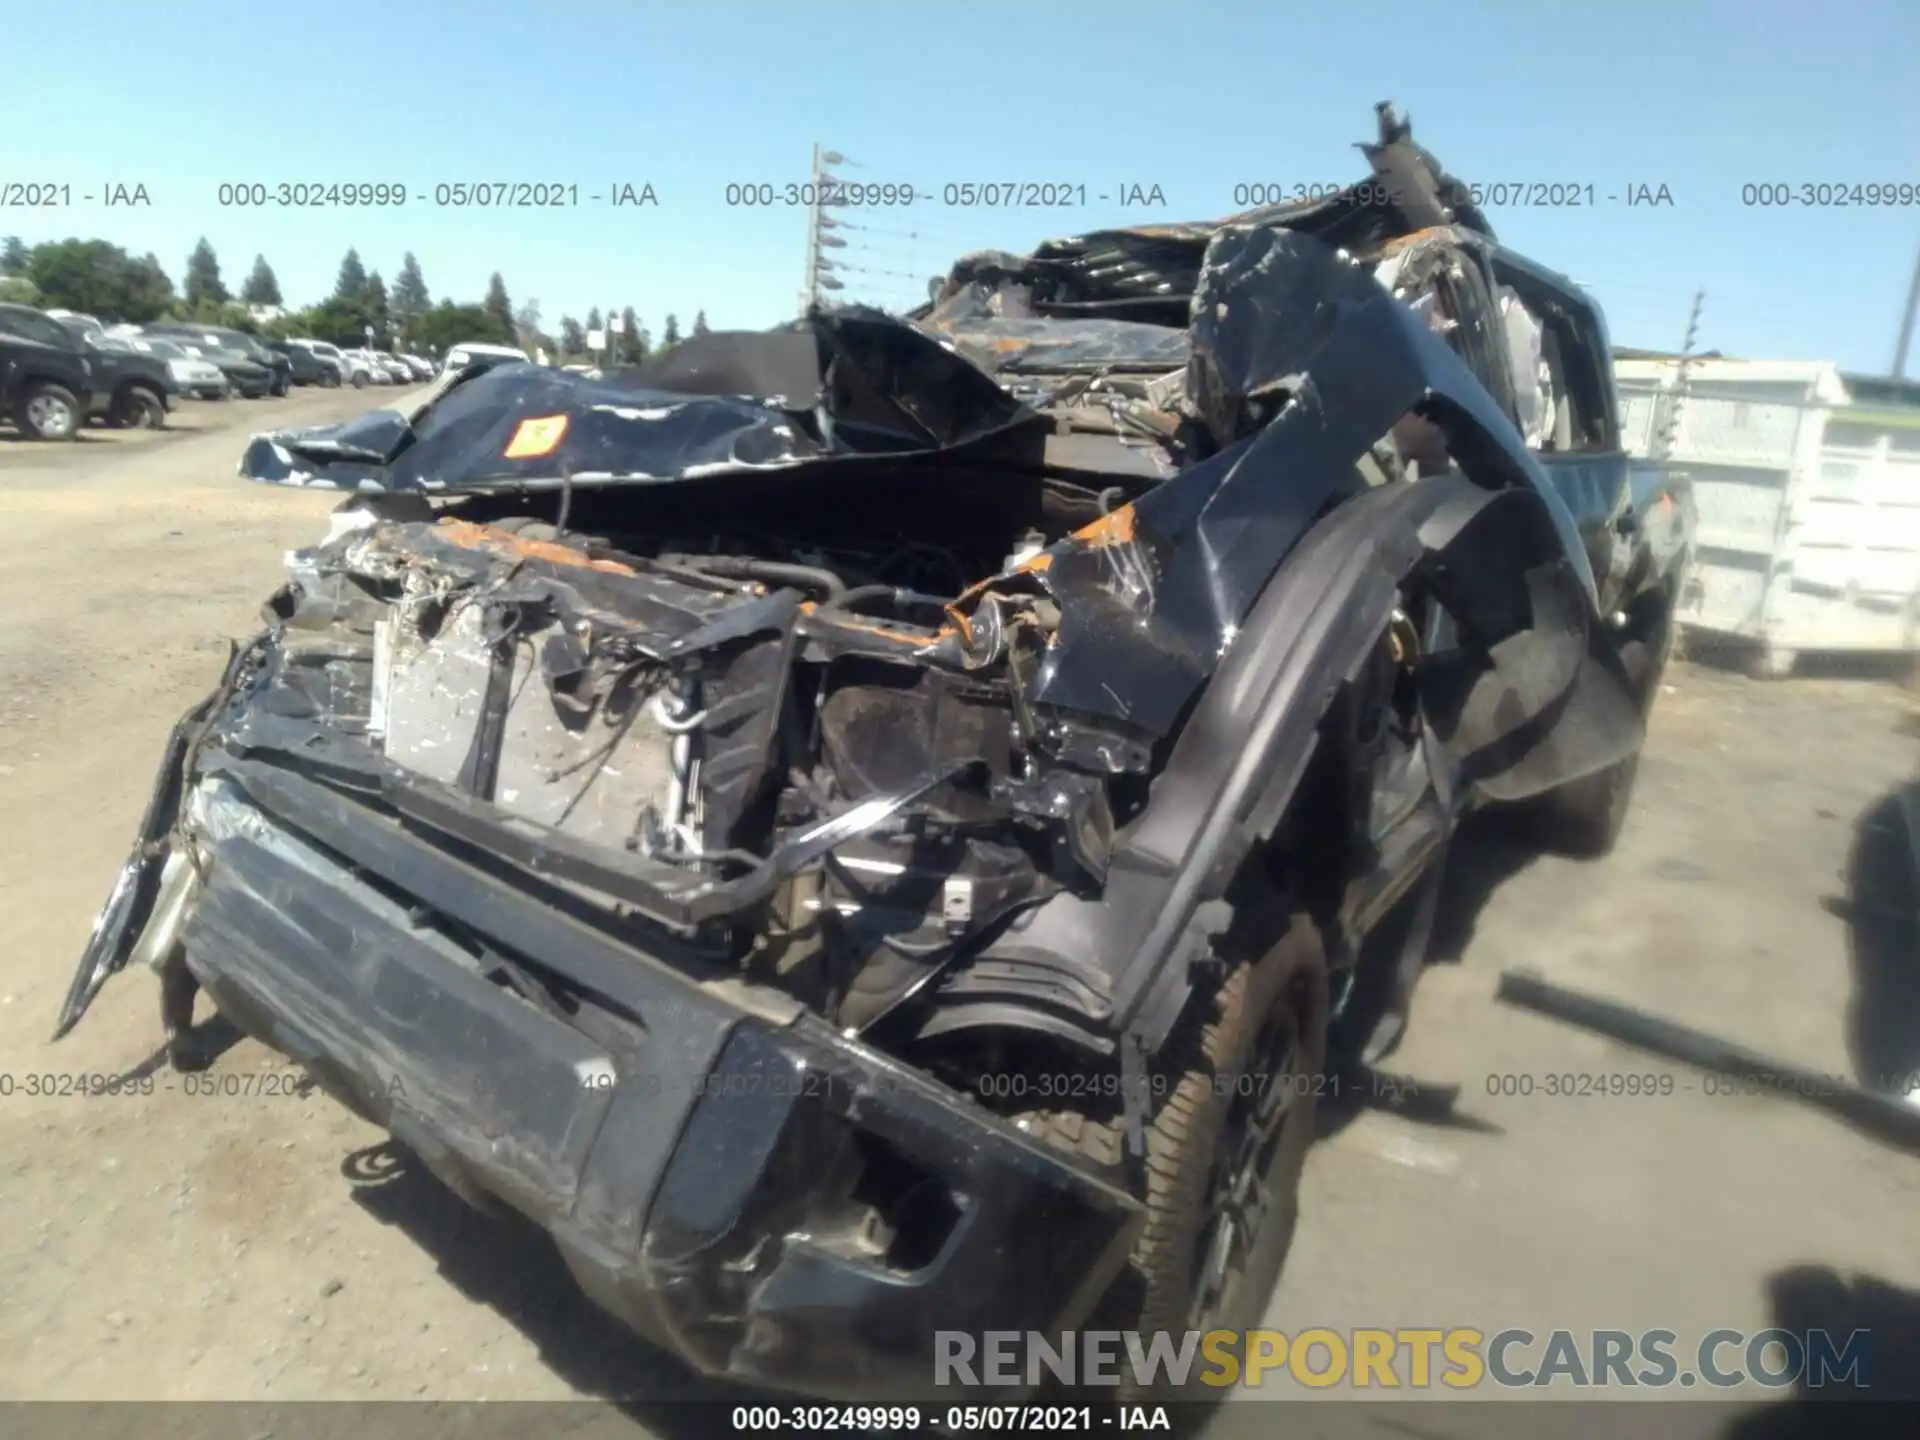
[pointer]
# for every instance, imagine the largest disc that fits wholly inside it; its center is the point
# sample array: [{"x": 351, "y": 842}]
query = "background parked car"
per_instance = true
[
  {"x": 130, "y": 387},
  {"x": 463, "y": 356},
  {"x": 197, "y": 377},
  {"x": 308, "y": 368},
  {"x": 377, "y": 373},
  {"x": 352, "y": 372},
  {"x": 422, "y": 367},
  {"x": 278, "y": 368},
  {"x": 46, "y": 383},
  {"x": 401, "y": 371},
  {"x": 244, "y": 376},
  {"x": 74, "y": 320},
  {"x": 365, "y": 371}
]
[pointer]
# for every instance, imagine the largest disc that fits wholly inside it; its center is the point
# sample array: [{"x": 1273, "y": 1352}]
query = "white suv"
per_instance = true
[{"x": 377, "y": 373}]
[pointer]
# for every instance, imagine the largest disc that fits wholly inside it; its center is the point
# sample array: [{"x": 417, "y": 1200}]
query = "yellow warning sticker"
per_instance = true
[{"x": 536, "y": 437}]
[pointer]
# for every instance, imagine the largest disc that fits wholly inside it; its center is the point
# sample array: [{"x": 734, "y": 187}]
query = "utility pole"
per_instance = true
[
  {"x": 1670, "y": 429},
  {"x": 808, "y": 292},
  {"x": 820, "y": 269},
  {"x": 1906, "y": 322}
]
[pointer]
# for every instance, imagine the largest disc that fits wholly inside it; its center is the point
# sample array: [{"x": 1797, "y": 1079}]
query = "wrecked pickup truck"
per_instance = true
[{"x": 872, "y": 826}]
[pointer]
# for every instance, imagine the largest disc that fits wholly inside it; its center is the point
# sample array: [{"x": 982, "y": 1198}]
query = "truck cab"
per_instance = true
[
  {"x": 1539, "y": 344},
  {"x": 130, "y": 388}
]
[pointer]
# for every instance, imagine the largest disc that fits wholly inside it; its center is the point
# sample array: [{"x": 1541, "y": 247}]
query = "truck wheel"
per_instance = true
[
  {"x": 49, "y": 412},
  {"x": 1232, "y": 1113},
  {"x": 359, "y": 379},
  {"x": 141, "y": 409}
]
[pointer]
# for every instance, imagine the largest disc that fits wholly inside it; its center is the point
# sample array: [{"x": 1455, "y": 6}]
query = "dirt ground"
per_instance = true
[{"x": 266, "y": 1246}]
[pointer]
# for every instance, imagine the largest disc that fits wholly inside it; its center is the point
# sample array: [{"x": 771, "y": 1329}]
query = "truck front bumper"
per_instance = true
[{"x": 768, "y": 1200}]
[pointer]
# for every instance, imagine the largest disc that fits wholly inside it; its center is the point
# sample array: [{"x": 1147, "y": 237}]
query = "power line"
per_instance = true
[{"x": 854, "y": 259}]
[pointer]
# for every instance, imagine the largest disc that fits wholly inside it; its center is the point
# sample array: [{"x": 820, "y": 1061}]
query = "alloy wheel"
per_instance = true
[
  {"x": 50, "y": 416},
  {"x": 1241, "y": 1202}
]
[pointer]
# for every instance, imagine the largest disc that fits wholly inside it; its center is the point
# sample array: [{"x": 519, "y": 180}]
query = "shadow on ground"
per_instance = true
[
  {"x": 509, "y": 1264},
  {"x": 1487, "y": 851},
  {"x": 1882, "y": 912},
  {"x": 1818, "y": 1298},
  {"x": 1804, "y": 1299}
]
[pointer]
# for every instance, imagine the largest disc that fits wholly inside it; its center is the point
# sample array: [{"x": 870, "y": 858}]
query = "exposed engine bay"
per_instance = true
[{"x": 677, "y": 716}]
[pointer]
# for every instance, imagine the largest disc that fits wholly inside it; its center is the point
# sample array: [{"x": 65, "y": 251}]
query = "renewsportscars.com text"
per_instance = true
[{"x": 1458, "y": 1358}]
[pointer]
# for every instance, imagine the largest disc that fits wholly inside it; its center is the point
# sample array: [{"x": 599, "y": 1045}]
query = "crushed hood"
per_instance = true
[{"x": 834, "y": 387}]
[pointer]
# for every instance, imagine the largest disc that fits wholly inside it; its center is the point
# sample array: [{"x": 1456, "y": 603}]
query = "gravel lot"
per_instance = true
[{"x": 266, "y": 1247}]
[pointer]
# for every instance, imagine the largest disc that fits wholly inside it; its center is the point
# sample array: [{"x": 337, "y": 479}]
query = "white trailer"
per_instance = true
[{"x": 1807, "y": 482}]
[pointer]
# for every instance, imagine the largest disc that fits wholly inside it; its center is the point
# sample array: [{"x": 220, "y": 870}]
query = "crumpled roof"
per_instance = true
[
  {"x": 1150, "y": 272},
  {"x": 837, "y": 386}
]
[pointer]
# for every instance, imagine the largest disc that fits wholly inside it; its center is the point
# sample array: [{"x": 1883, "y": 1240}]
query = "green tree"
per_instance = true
[
  {"x": 18, "y": 290},
  {"x": 227, "y": 314},
  {"x": 639, "y": 344},
  {"x": 700, "y": 323},
  {"x": 409, "y": 298},
  {"x": 203, "y": 276},
  {"x": 447, "y": 325},
  {"x": 97, "y": 278},
  {"x": 499, "y": 307},
  {"x": 670, "y": 335},
  {"x": 262, "y": 287},
  {"x": 375, "y": 307},
  {"x": 149, "y": 291},
  {"x": 338, "y": 322},
  {"x": 573, "y": 339},
  {"x": 633, "y": 340},
  {"x": 594, "y": 322},
  {"x": 285, "y": 327},
  {"x": 352, "y": 280},
  {"x": 13, "y": 256},
  {"x": 526, "y": 327}
]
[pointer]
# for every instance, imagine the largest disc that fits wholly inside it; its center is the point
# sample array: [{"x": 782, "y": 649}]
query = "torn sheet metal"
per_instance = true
[
  {"x": 1301, "y": 362},
  {"x": 1148, "y": 272},
  {"x": 851, "y": 384},
  {"x": 999, "y": 338}
]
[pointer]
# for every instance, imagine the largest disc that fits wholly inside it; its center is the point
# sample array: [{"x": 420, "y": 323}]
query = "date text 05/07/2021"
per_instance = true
[
  {"x": 1105, "y": 1417},
  {"x": 388, "y": 194},
  {"x": 954, "y": 194}
]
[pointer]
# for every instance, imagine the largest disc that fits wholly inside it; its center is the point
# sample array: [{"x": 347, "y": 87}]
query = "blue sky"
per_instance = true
[{"x": 1196, "y": 98}]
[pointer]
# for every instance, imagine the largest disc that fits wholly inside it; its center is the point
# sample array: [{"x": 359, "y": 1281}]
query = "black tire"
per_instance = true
[
  {"x": 277, "y": 389},
  {"x": 49, "y": 412},
  {"x": 142, "y": 409},
  {"x": 359, "y": 379},
  {"x": 1251, "y": 1051}
]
